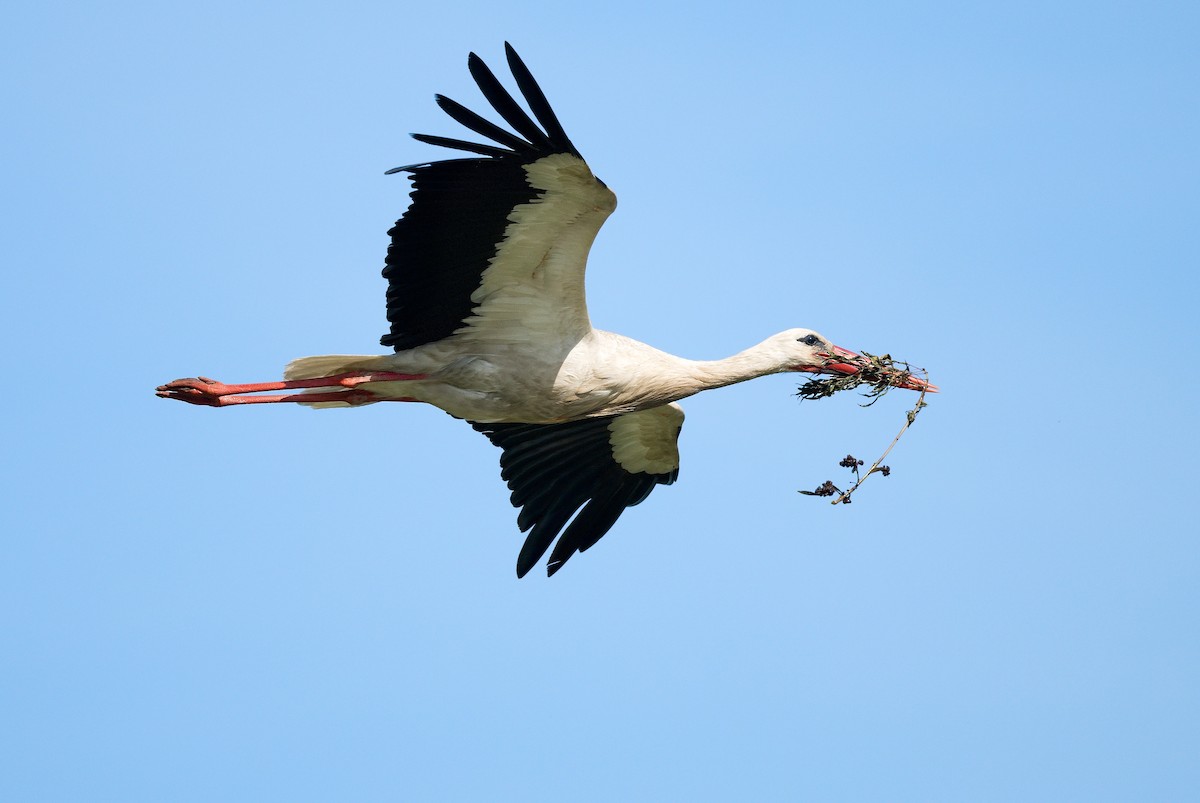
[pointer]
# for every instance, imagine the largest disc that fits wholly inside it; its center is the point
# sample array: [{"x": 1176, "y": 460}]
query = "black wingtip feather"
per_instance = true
[
  {"x": 537, "y": 101},
  {"x": 536, "y": 142},
  {"x": 593, "y": 522},
  {"x": 481, "y": 126},
  {"x": 462, "y": 145},
  {"x": 538, "y": 541},
  {"x": 505, "y": 105}
]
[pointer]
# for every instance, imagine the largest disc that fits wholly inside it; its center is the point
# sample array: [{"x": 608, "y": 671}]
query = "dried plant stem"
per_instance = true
[{"x": 912, "y": 416}]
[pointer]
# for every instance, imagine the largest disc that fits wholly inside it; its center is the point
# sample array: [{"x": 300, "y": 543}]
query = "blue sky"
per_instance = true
[{"x": 280, "y": 604}]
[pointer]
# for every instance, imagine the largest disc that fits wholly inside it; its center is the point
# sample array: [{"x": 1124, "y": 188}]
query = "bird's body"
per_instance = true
[
  {"x": 549, "y": 382},
  {"x": 489, "y": 322}
]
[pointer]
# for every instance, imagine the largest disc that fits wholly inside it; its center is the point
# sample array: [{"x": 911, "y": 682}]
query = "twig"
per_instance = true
[
  {"x": 881, "y": 373},
  {"x": 911, "y": 417}
]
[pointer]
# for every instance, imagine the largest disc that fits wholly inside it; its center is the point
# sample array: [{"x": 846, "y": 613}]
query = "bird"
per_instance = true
[{"x": 488, "y": 322}]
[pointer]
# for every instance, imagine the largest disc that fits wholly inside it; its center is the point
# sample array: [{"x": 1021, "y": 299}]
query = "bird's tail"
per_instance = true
[{"x": 332, "y": 365}]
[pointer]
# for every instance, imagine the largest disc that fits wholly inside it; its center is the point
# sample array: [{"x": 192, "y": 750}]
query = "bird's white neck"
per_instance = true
[
  {"x": 749, "y": 364},
  {"x": 635, "y": 375}
]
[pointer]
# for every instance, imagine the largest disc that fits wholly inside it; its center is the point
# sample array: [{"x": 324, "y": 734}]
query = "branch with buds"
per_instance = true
[{"x": 881, "y": 373}]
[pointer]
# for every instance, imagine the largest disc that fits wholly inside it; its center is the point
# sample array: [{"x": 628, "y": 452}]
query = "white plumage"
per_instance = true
[{"x": 490, "y": 323}]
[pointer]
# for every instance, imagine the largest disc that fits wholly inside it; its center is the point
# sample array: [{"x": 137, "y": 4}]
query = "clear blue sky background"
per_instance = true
[{"x": 277, "y": 604}]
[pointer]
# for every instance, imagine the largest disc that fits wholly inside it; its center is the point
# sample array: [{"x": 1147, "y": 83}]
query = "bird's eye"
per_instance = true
[{"x": 810, "y": 340}]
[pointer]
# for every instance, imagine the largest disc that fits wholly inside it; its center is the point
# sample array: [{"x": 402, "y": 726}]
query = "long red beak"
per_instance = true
[{"x": 847, "y": 363}]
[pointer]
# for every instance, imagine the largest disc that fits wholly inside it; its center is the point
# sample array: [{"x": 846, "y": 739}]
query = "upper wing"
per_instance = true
[
  {"x": 603, "y": 465},
  {"x": 495, "y": 246}
]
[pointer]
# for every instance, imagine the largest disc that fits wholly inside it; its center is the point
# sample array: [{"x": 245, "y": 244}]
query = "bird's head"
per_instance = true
[{"x": 809, "y": 352}]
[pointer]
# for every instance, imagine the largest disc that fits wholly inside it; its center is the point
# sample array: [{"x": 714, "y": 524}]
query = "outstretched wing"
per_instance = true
[
  {"x": 602, "y": 465},
  {"x": 495, "y": 246}
]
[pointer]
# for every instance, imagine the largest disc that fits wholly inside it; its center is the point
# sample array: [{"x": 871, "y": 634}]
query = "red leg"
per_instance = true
[{"x": 211, "y": 393}]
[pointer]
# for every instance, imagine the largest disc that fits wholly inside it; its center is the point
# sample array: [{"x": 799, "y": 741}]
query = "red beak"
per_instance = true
[{"x": 847, "y": 363}]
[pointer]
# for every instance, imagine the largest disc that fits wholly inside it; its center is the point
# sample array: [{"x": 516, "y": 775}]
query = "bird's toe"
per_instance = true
[{"x": 195, "y": 390}]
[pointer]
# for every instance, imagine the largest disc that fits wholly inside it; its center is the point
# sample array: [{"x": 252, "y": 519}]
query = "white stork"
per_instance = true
[{"x": 488, "y": 322}]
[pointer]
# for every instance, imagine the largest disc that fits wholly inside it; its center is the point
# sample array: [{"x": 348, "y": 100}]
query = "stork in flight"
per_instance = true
[{"x": 488, "y": 322}]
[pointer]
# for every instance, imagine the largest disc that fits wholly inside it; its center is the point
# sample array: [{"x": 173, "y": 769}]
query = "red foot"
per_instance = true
[{"x": 200, "y": 390}]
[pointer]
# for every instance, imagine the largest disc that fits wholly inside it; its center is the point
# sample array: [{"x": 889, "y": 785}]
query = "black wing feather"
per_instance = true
[
  {"x": 537, "y": 101},
  {"x": 597, "y": 518},
  {"x": 479, "y": 125},
  {"x": 554, "y": 470},
  {"x": 448, "y": 142},
  {"x": 460, "y": 209},
  {"x": 505, "y": 106},
  {"x": 443, "y": 243},
  {"x": 551, "y": 489},
  {"x": 548, "y": 518}
]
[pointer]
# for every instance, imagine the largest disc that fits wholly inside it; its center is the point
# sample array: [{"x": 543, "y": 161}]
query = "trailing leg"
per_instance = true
[{"x": 211, "y": 393}]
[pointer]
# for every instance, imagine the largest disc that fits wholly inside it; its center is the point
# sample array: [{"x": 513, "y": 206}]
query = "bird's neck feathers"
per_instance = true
[
  {"x": 634, "y": 375},
  {"x": 756, "y": 361}
]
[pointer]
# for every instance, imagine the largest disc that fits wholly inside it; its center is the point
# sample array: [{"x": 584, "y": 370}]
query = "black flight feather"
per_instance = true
[
  {"x": 554, "y": 470},
  {"x": 481, "y": 126},
  {"x": 596, "y": 519},
  {"x": 504, "y": 104},
  {"x": 461, "y": 207},
  {"x": 537, "y": 101},
  {"x": 456, "y": 144}
]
